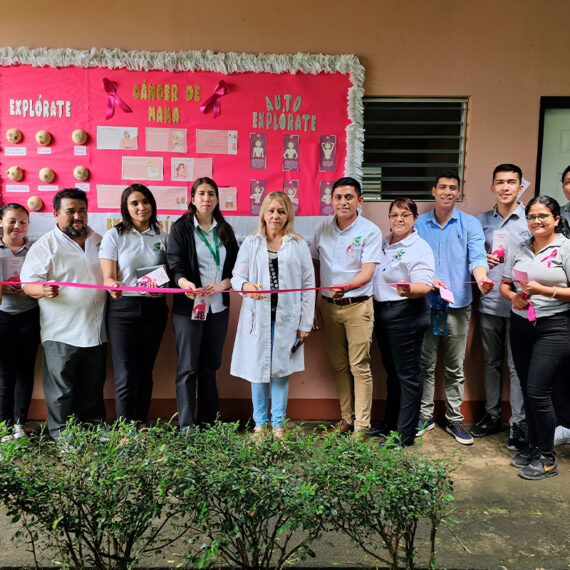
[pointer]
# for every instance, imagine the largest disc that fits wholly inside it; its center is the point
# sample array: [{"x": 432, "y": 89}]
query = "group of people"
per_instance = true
[{"x": 413, "y": 289}]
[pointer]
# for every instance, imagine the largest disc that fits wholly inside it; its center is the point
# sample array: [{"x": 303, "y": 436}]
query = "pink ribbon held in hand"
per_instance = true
[
  {"x": 549, "y": 258},
  {"x": 214, "y": 99},
  {"x": 110, "y": 88},
  {"x": 529, "y": 308}
]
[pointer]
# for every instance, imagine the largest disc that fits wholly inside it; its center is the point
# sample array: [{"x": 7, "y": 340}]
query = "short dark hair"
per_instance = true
[
  {"x": 348, "y": 181},
  {"x": 554, "y": 207},
  {"x": 12, "y": 206},
  {"x": 406, "y": 204},
  {"x": 72, "y": 194},
  {"x": 508, "y": 168},
  {"x": 447, "y": 174},
  {"x": 566, "y": 171},
  {"x": 126, "y": 224}
]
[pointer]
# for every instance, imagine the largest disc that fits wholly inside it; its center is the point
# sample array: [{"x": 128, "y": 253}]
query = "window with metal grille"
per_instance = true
[{"x": 407, "y": 142}]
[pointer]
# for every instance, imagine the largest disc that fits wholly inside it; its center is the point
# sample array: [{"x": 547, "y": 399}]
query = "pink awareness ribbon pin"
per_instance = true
[{"x": 549, "y": 258}]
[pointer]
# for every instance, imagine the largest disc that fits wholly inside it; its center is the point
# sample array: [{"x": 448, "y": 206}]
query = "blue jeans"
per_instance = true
[{"x": 260, "y": 397}]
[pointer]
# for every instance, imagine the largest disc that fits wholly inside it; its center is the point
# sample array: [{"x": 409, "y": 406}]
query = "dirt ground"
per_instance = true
[{"x": 504, "y": 521}]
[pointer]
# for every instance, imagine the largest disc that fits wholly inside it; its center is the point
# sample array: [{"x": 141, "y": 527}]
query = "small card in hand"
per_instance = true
[{"x": 155, "y": 276}]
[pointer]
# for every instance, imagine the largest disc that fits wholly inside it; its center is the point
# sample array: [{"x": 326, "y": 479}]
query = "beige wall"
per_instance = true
[{"x": 501, "y": 54}]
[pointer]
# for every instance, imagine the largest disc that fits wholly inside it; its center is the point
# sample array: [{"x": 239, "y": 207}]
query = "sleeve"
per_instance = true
[
  {"x": 110, "y": 245},
  {"x": 176, "y": 253},
  {"x": 314, "y": 247},
  {"x": 307, "y": 282},
  {"x": 476, "y": 245},
  {"x": 231, "y": 256},
  {"x": 566, "y": 263},
  {"x": 37, "y": 264},
  {"x": 510, "y": 260},
  {"x": 372, "y": 248},
  {"x": 240, "y": 273},
  {"x": 422, "y": 269}
]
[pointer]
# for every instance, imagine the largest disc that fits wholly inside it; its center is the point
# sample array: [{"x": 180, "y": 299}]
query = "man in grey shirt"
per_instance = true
[{"x": 505, "y": 227}]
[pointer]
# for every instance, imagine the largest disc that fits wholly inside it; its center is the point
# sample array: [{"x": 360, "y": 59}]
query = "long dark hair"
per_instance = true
[
  {"x": 554, "y": 207},
  {"x": 225, "y": 231},
  {"x": 126, "y": 225}
]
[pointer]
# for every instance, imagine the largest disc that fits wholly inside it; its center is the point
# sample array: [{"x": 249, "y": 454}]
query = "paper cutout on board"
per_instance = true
[
  {"x": 216, "y": 142},
  {"x": 109, "y": 195},
  {"x": 142, "y": 168},
  {"x": 291, "y": 188},
  {"x": 166, "y": 140},
  {"x": 17, "y": 188},
  {"x": 190, "y": 169},
  {"x": 117, "y": 138},
  {"x": 228, "y": 198},
  {"x": 256, "y": 195},
  {"x": 327, "y": 153},
  {"x": 80, "y": 150},
  {"x": 48, "y": 187},
  {"x": 326, "y": 197},
  {"x": 258, "y": 151},
  {"x": 290, "y": 153},
  {"x": 170, "y": 197},
  {"x": 15, "y": 151}
]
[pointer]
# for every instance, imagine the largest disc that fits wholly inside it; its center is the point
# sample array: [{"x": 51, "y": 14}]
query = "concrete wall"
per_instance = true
[{"x": 501, "y": 54}]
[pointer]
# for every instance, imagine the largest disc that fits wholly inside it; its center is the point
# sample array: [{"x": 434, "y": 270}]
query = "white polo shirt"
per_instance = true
[
  {"x": 410, "y": 259},
  {"x": 133, "y": 250},
  {"x": 76, "y": 315},
  {"x": 341, "y": 253}
]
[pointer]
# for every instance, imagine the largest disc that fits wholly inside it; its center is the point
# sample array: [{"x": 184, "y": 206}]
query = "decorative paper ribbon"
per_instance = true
[
  {"x": 549, "y": 258},
  {"x": 529, "y": 308},
  {"x": 214, "y": 99},
  {"x": 110, "y": 88}
]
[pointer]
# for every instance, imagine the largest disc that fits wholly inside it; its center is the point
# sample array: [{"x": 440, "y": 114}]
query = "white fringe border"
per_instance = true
[{"x": 226, "y": 63}]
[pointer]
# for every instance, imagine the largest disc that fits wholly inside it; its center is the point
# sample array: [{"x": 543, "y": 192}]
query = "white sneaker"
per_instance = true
[
  {"x": 561, "y": 436},
  {"x": 19, "y": 432}
]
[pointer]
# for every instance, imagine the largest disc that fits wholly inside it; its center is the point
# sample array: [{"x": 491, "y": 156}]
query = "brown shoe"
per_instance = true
[
  {"x": 360, "y": 435},
  {"x": 342, "y": 426}
]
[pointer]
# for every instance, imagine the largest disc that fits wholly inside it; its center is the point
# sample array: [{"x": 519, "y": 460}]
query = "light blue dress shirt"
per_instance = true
[{"x": 458, "y": 247}]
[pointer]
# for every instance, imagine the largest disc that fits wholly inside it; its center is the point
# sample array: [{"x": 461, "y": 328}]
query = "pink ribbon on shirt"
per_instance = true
[
  {"x": 113, "y": 99},
  {"x": 214, "y": 99},
  {"x": 549, "y": 258}
]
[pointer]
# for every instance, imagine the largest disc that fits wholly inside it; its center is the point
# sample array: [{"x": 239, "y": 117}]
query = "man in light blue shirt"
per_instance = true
[
  {"x": 505, "y": 227},
  {"x": 458, "y": 245}
]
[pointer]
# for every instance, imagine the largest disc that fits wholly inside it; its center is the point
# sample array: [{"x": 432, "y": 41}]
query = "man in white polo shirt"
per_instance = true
[
  {"x": 346, "y": 249},
  {"x": 71, "y": 318}
]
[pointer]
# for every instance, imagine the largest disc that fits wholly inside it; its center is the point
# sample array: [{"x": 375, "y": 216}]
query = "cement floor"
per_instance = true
[{"x": 504, "y": 521}]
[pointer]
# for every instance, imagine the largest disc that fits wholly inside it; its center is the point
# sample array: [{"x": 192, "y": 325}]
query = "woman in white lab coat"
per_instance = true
[{"x": 272, "y": 327}]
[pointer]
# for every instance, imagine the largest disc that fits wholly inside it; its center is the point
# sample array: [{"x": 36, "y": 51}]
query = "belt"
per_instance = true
[{"x": 346, "y": 301}]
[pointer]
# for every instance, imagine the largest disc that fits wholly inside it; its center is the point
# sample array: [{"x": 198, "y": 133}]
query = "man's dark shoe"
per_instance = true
[
  {"x": 540, "y": 467},
  {"x": 517, "y": 437},
  {"x": 524, "y": 457},
  {"x": 424, "y": 425},
  {"x": 486, "y": 426}
]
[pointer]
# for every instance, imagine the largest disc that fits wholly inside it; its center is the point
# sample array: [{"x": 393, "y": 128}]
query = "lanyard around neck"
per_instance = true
[{"x": 215, "y": 254}]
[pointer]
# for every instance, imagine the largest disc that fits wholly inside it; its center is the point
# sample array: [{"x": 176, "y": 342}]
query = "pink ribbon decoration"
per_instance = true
[
  {"x": 529, "y": 307},
  {"x": 214, "y": 99},
  {"x": 549, "y": 258},
  {"x": 110, "y": 88}
]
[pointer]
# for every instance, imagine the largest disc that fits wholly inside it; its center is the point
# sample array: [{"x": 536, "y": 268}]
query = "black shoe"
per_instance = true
[
  {"x": 517, "y": 437},
  {"x": 486, "y": 426},
  {"x": 525, "y": 457},
  {"x": 540, "y": 468}
]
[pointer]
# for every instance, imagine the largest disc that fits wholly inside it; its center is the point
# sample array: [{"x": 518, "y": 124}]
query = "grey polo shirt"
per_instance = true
[
  {"x": 10, "y": 268},
  {"x": 517, "y": 227},
  {"x": 550, "y": 267}
]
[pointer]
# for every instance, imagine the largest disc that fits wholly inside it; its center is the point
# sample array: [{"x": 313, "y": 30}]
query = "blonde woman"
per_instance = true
[{"x": 272, "y": 327}]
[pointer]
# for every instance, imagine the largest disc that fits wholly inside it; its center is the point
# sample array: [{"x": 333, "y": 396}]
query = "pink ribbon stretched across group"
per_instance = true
[
  {"x": 214, "y": 99},
  {"x": 113, "y": 99}
]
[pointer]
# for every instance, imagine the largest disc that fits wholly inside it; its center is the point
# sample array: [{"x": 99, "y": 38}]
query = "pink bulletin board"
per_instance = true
[{"x": 277, "y": 122}]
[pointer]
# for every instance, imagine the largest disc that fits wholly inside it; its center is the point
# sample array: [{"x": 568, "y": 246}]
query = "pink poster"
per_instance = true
[
  {"x": 327, "y": 159},
  {"x": 291, "y": 188},
  {"x": 153, "y": 126},
  {"x": 326, "y": 197},
  {"x": 256, "y": 195}
]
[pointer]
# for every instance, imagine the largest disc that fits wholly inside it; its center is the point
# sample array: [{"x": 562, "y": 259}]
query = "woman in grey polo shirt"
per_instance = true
[
  {"x": 538, "y": 288},
  {"x": 19, "y": 322},
  {"x": 135, "y": 322}
]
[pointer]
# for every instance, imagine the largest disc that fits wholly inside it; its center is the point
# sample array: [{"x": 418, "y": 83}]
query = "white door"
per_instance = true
[{"x": 555, "y": 152}]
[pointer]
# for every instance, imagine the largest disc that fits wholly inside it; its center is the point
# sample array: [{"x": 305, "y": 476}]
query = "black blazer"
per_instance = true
[{"x": 183, "y": 262}]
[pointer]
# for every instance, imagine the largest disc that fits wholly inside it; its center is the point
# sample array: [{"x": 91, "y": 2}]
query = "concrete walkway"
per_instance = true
[{"x": 504, "y": 521}]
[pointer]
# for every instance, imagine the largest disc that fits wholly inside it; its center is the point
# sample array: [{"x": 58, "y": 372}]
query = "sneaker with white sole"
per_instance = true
[
  {"x": 561, "y": 436},
  {"x": 19, "y": 432},
  {"x": 458, "y": 431},
  {"x": 424, "y": 425}
]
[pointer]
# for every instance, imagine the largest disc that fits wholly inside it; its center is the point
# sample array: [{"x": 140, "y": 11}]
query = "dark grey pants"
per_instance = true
[{"x": 73, "y": 383}]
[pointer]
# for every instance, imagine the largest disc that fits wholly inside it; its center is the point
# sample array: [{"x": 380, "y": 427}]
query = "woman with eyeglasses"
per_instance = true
[
  {"x": 402, "y": 280},
  {"x": 536, "y": 282}
]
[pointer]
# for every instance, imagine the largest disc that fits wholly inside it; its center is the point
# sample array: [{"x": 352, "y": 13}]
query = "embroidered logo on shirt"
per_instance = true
[
  {"x": 158, "y": 246},
  {"x": 352, "y": 247}
]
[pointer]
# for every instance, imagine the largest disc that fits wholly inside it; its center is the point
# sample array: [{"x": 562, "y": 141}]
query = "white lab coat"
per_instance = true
[{"x": 251, "y": 358}]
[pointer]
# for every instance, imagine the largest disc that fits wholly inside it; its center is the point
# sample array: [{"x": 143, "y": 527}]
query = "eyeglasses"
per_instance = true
[
  {"x": 404, "y": 216},
  {"x": 541, "y": 217}
]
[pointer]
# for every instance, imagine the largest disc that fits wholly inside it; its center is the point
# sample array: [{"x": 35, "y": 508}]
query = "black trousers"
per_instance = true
[
  {"x": 199, "y": 345},
  {"x": 399, "y": 327},
  {"x": 135, "y": 326},
  {"x": 19, "y": 340},
  {"x": 541, "y": 354}
]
